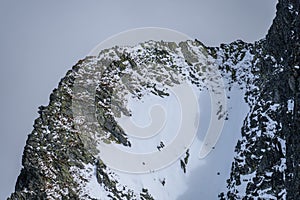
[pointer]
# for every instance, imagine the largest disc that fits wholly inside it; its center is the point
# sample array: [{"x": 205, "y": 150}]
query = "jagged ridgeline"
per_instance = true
[{"x": 60, "y": 158}]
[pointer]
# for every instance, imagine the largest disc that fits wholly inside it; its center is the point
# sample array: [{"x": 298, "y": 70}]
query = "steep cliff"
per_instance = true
[
  {"x": 268, "y": 162},
  {"x": 284, "y": 39}
]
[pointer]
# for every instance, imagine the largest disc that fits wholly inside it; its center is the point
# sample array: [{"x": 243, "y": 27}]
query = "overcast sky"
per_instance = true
[{"x": 41, "y": 40}]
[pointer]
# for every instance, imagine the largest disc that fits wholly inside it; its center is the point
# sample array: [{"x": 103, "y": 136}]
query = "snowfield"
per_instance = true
[{"x": 155, "y": 120}]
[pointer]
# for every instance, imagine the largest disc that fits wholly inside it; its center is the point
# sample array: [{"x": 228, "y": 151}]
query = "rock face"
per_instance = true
[
  {"x": 284, "y": 38},
  {"x": 59, "y": 160},
  {"x": 267, "y": 164},
  {"x": 270, "y": 163}
]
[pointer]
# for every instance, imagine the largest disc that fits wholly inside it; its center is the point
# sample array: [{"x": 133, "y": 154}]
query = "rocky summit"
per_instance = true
[{"x": 62, "y": 159}]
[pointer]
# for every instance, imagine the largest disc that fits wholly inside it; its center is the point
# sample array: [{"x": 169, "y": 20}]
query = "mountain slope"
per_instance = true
[
  {"x": 267, "y": 161},
  {"x": 62, "y": 158}
]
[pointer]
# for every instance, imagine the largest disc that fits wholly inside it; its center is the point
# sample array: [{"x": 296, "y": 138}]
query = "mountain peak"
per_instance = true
[{"x": 64, "y": 156}]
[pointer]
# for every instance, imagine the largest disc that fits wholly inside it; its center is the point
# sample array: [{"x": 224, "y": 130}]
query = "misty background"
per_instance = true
[{"x": 41, "y": 40}]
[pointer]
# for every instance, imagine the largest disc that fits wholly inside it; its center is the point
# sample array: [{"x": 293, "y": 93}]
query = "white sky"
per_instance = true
[{"x": 41, "y": 40}]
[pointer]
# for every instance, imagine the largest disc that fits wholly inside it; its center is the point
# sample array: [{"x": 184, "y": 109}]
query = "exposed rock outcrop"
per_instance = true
[{"x": 59, "y": 158}]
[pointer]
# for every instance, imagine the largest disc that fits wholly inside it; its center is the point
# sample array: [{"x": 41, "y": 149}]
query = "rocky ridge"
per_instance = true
[{"x": 60, "y": 161}]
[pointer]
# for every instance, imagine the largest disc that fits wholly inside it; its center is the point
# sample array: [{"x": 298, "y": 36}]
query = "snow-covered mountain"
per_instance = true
[{"x": 254, "y": 156}]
